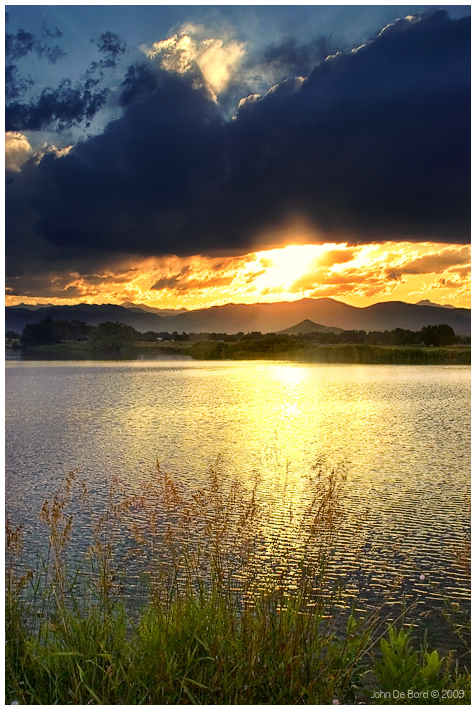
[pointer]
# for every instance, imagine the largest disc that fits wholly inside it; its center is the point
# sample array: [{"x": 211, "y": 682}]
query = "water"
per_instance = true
[{"x": 403, "y": 431}]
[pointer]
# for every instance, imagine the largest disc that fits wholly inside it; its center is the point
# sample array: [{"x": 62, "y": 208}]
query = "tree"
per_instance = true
[
  {"x": 150, "y": 336},
  {"x": 403, "y": 336},
  {"x": 42, "y": 333},
  {"x": 437, "y": 335},
  {"x": 353, "y": 336},
  {"x": 72, "y": 329},
  {"x": 111, "y": 337}
]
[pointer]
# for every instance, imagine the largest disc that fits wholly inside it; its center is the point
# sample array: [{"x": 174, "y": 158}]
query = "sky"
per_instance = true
[{"x": 186, "y": 156}]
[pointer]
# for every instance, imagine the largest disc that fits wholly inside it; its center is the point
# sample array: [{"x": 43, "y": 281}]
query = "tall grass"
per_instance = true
[{"x": 219, "y": 597}]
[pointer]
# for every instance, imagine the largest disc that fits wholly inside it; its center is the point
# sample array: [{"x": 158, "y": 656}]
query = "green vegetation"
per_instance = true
[
  {"x": 111, "y": 338},
  {"x": 42, "y": 333},
  {"x": 385, "y": 355},
  {"x": 432, "y": 345},
  {"x": 290, "y": 348},
  {"x": 250, "y": 347},
  {"x": 211, "y": 623}
]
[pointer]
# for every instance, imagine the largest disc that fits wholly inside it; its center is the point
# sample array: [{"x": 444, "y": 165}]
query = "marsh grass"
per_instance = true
[{"x": 219, "y": 597}]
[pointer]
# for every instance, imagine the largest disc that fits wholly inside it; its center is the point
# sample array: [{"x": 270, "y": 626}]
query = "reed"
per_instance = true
[{"x": 234, "y": 603}]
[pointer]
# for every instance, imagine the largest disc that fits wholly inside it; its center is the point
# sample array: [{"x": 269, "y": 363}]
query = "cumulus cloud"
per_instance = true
[
  {"x": 289, "y": 57},
  {"x": 190, "y": 50},
  {"x": 372, "y": 146},
  {"x": 17, "y": 151}
]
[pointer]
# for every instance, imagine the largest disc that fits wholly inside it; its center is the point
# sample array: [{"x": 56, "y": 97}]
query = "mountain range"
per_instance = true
[{"x": 263, "y": 317}]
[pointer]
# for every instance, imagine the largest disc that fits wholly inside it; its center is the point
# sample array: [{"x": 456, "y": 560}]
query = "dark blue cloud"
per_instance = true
[
  {"x": 66, "y": 105},
  {"x": 289, "y": 57},
  {"x": 376, "y": 144},
  {"x": 141, "y": 79},
  {"x": 373, "y": 145},
  {"x": 60, "y": 108},
  {"x": 111, "y": 45},
  {"x": 20, "y": 45}
]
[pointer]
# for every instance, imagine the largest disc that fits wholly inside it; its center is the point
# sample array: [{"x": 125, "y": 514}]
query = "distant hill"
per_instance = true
[
  {"x": 17, "y": 318},
  {"x": 274, "y": 317},
  {"x": 264, "y": 317},
  {"x": 307, "y": 326},
  {"x": 164, "y": 312},
  {"x": 427, "y": 302},
  {"x": 31, "y": 307}
]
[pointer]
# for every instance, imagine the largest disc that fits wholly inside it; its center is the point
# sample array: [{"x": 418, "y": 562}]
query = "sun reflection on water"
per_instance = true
[{"x": 404, "y": 430}]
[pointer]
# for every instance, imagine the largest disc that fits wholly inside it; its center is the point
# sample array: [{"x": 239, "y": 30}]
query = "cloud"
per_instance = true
[
  {"x": 17, "y": 151},
  {"x": 292, "y": 58},
  {"x": 200, "y": 281},
  {"x": 336, "y": 256},
  {"x": 20, "y": 45},
  {"x": 434, "y": 263},
  {"x": 140, "y": 80},
  {"x": 66, "y": 105},
  {"x": 60, "y": 108},
  {"x": 23, "y": 43},
  {"x": 372, "y": 146},
  {"x": 191, "y": 51},
  {"x": 375, "y": 144},
  {"x": 112, "y": 46},
  {"x": 387, "y": 267},
  {"x": 175, "y": 283}
]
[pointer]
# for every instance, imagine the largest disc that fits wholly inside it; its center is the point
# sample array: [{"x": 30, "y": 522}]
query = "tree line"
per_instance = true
[{"x": 113, "y": 336}]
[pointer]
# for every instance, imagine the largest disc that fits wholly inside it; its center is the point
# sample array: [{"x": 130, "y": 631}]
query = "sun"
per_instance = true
[{"x": 283, "y": 266}]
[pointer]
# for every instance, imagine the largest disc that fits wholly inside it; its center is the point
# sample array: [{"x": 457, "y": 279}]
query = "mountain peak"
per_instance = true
[
  {"x": 427, "y": 302},
  {"x": 308, "y": 326}
]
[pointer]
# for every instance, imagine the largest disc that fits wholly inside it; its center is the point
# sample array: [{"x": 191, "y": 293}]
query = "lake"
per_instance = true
[{"x": 403, "y": 433}]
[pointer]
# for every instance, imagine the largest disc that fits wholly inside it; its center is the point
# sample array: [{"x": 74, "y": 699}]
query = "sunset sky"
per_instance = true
[{"x": 190, "y": 156}]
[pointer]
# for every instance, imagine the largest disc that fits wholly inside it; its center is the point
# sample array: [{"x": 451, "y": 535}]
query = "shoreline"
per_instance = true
[{"x": 211, "y": 350}]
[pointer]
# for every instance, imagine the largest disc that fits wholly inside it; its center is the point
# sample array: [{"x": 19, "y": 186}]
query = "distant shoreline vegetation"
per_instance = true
[{"x": 75, "y": 340}]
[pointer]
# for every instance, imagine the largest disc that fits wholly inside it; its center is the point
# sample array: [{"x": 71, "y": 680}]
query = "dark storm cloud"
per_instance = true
[
  {"x": 289, "y": 57},
  {"x": 129, "y": 184},
  {"x": 374, "y": 145},
  {"x": 141, "y": 79}
]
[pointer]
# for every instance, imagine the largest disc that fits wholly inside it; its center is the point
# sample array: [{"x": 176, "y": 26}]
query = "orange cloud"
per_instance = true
[
  {"x": 361, "y": 275},
  {"x": 17, "y": 151}
]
